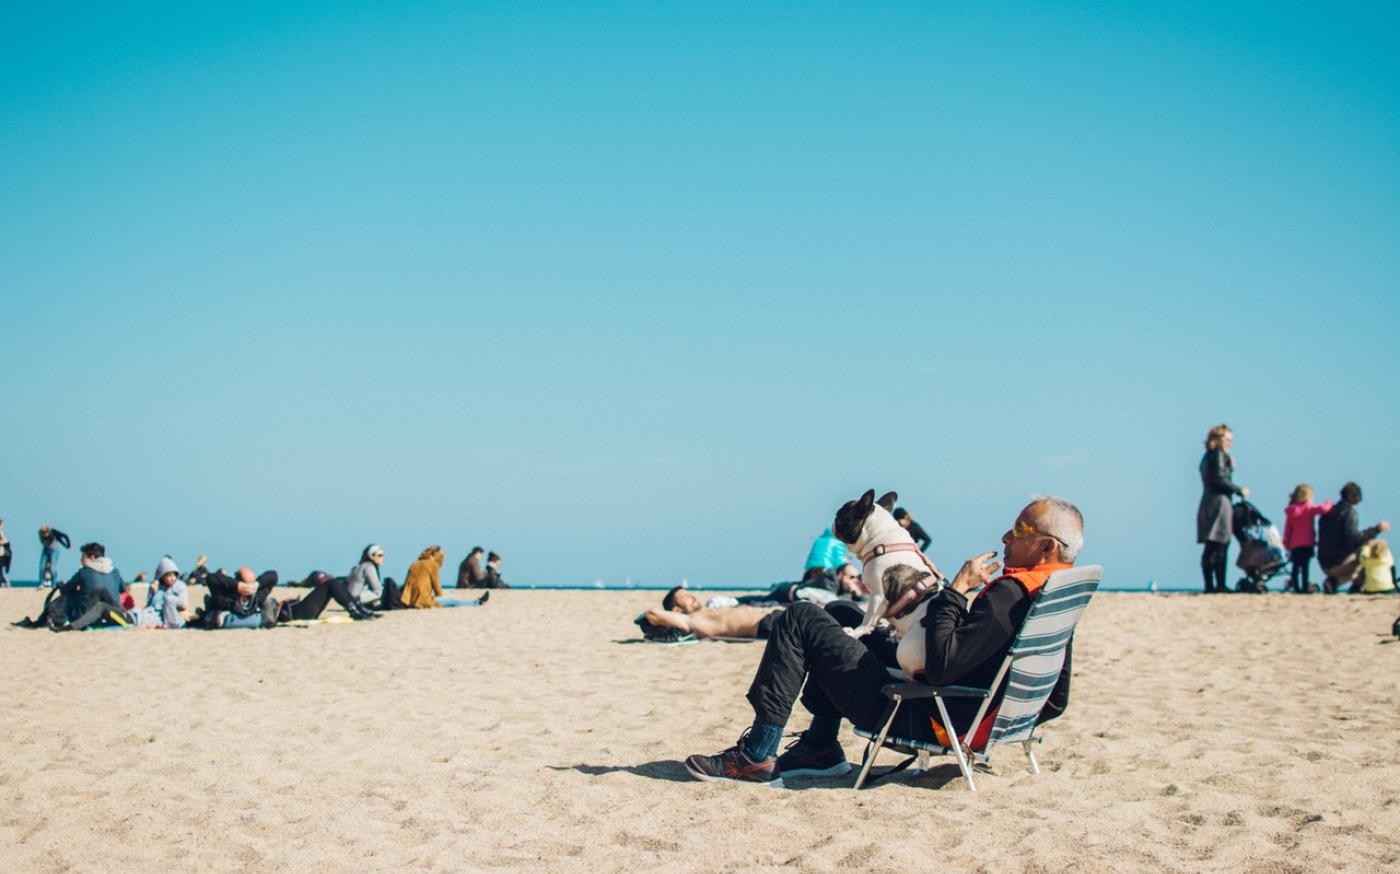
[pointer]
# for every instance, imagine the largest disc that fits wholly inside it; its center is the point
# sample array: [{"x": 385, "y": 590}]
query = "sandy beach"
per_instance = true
[{"x": 1240, "y": 733}]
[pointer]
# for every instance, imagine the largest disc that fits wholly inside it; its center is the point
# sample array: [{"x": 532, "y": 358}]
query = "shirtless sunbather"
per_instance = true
[{"x": 682, "y": 609}]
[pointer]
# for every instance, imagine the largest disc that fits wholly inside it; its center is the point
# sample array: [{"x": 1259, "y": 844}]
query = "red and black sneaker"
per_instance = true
[
  {"x": 804, "y": 759},
  {"x": 735, "y": 765}
]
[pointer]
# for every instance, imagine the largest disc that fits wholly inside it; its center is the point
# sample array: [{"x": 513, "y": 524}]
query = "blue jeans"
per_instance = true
[
  {"x": 232, "y": 621},
  {"x": 48, "y": 559}
]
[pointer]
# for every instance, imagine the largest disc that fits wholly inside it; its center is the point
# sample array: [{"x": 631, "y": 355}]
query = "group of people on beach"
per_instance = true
[
  {"x": 1352, "y": 558},
  {"x": 98, "y": 596}
]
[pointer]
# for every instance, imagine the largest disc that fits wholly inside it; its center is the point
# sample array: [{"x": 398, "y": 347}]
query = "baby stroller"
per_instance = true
[{"x": 1262, "y": 556}]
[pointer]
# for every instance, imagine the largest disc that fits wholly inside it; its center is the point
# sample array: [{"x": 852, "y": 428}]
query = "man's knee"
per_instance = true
[{"x": 803, "y": 614}]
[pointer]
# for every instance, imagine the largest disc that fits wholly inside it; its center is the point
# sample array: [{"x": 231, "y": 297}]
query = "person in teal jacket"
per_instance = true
[{"x": 827, "y": 553}]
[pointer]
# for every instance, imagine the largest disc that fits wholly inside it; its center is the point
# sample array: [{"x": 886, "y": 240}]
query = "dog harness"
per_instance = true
[{"x": 922, "y": 588}]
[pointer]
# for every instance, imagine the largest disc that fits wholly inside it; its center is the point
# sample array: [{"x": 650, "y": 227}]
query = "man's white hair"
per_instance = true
[{"x": 1062, "y": 521}]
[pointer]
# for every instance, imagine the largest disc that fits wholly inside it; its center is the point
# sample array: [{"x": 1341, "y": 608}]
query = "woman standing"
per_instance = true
[{"x": 1215, "y": 516}]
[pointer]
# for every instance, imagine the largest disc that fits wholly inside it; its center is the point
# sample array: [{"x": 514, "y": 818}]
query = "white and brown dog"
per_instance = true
[{"x": 896, "y": 572}]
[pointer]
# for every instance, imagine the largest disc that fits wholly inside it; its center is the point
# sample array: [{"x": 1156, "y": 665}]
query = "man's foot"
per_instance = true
[
  {"x": 806, "y": 760},
  {"x": 734, "y": 765},
  {"x": 486, "y": 594},
  {"x": 1329, "y": 586}
]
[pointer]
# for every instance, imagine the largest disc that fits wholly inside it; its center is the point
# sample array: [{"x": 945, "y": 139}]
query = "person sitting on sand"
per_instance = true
[
  {"x": 1377, "y": 568},
  {"x": 817, "y": 586},
  {"x": 493, "y": 573},
  {"x": 681, "y": 609},
  {"x": 470, "y": 574},
  {"x": 96, "y": 578},
  {"x": 827, "y": 553},
  {"x": 363, "y": 583},
  {"x": 167, "y": 602},
  {"x": 422, "y": 587},
  {"x": 837, "y": 676},
  {"x": 1339, "y": 541},
  {"x": 324, "y": 589}
]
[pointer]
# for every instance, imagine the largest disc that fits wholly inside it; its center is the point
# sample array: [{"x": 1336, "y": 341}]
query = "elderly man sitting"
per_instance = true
[{"x": 966, "y": 643}]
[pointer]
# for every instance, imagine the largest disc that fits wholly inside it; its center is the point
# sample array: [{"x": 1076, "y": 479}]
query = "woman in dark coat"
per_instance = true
[{"x": 1215, "y": 515}]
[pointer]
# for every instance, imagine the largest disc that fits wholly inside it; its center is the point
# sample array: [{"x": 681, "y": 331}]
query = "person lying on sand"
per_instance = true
[
  {"x": 967, "y": 640},
  {"x": 817, "y": 585},
  {"x": 683, "y": 610}
]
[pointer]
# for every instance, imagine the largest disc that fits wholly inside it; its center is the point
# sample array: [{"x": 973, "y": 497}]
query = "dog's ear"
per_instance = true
[
  {"x": 867, "y": 499},
  {"x": 887, "y": 501}
]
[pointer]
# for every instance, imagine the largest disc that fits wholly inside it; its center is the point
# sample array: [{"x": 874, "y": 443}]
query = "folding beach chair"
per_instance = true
[{"x": 1034, "y": 664}]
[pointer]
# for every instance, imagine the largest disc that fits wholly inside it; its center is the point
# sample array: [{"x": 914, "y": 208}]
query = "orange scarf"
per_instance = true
[{"x": 1032, "y": 580}]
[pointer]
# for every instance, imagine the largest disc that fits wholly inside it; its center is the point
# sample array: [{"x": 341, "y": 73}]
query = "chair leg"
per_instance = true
[
  {"x": 955, "y": 743},
  {"x": 922, "y": 764},
  {"x": 873, "y": 748},
  {"x": 1030, "y": 754}
]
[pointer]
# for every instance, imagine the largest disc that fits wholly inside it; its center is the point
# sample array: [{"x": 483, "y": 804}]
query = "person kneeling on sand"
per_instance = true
[
  {"x": 1339, "y": 542},
  {"x": 967, "y": 641},
  {"x": 682, "y": 610}
]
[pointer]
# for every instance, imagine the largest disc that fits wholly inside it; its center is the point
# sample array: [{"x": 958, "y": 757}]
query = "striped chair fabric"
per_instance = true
[
  {"x": 1038, "y": 653},
  {"x": 1032, "y": 666}
]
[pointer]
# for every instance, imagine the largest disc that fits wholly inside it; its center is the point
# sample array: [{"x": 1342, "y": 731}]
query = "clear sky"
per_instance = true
[{"x": 646, "y": 291}]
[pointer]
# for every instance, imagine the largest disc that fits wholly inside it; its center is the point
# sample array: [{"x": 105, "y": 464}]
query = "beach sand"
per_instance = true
[{"x": 1240, "y": 733}]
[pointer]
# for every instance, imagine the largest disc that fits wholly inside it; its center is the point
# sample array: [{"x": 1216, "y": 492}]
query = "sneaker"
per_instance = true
[
  {"x": 734, "y": 765},
  {"x": 802, "y": 759}
]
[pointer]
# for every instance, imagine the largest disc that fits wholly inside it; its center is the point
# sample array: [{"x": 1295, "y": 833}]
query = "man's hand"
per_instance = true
[
  {"x": 1244, "y": 493},
  {"x": 1384, "y": 526},
  {"x": 976, "y": 572}
]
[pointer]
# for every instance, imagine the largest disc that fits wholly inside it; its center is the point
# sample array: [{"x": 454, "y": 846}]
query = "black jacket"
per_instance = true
[
  {"x": 1337, "y": 535},
  {"x": 920, "y": 536},
  {"x": 967, "y": 644},
  {"x": 55, "y": 536},
  {"x": 1217, "y": 472},
  {"x": 223, "y": 594}
]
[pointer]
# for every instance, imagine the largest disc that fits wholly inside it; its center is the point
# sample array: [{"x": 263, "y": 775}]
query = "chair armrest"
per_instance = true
[{"x": 915, "y": 691}]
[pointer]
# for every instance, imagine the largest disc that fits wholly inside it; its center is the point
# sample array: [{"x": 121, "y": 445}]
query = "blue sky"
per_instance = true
[{"x": 647, "y": 291}]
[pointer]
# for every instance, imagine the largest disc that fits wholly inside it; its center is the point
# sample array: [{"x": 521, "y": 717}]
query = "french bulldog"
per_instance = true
[{"x": 896, "y": 572}]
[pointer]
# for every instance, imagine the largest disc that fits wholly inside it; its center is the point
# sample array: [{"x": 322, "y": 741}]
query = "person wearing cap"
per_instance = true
[
  {"x": 363, "y": 583},
  {"x": 915, "y": 530}
]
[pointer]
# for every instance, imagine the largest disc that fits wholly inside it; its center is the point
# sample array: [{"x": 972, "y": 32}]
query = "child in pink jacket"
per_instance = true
[{"x": 1300, "y": 535}]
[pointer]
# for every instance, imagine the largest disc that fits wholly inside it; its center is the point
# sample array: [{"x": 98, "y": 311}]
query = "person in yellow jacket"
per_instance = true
[
  {"x": 1379, "y": 568},
  {"x": 423, "y": 585}
]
